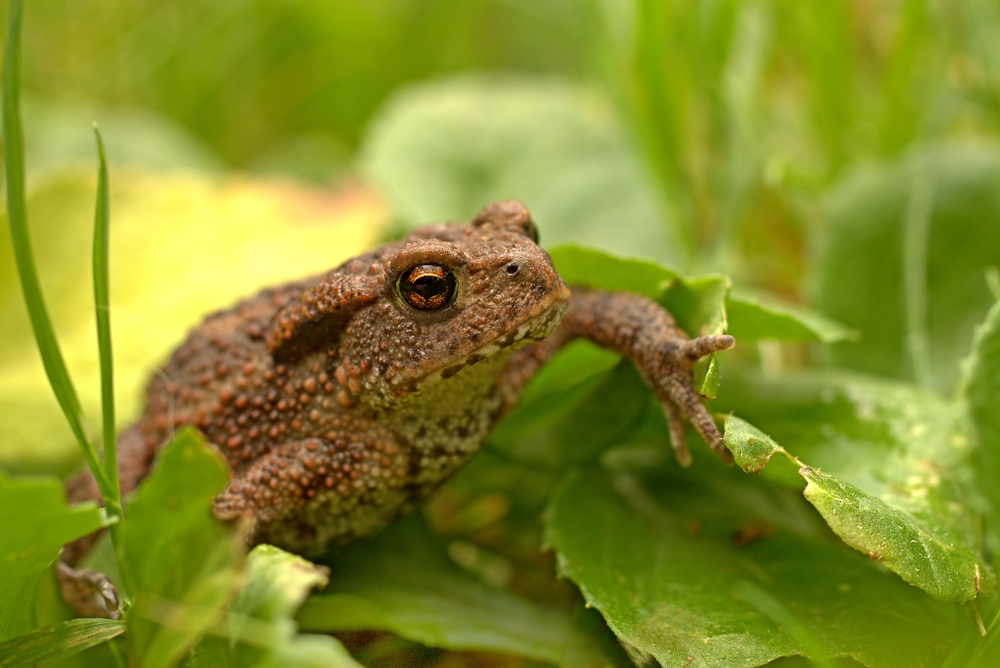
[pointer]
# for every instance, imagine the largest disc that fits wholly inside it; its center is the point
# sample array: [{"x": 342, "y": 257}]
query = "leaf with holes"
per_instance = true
[{"x": 896, "y": 480}]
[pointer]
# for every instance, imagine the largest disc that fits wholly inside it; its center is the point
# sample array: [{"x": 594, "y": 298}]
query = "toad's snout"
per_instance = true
[{"x": 531, "y": 273}]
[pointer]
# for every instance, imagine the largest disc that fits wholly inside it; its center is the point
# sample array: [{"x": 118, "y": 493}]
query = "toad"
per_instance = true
[{"x": 342, "y": 400}]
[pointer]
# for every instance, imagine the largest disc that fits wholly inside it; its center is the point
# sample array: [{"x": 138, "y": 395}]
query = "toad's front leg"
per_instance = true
[
  {"x": 645, "y": 333},
  {"x": 315, "y": 494}
]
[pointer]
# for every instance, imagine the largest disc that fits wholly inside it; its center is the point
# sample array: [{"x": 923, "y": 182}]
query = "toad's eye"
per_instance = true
[{"x": 427, "y": 287}]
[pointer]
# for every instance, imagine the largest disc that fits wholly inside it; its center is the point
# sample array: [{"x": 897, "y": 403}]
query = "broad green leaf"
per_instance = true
[
  {"x": 491, "y": 510},
  {"x": 667, "y": 555},
  {"x": 442, "y": 150},
  {"x": 932, "y": 560},
  {"x": 750, "y": 320},
  {"x": 58, "y": 642},
  {"x": 427, "y": 598},
  {"x": 597, "y": 269},
  {"x": 258, "y": 629},
  {"x": 890, "y": 440},
  {"x": 901, "y": 258},
  {"x": 36, "y": 524},
  {"x": 183, "y": 245},
  {"x": 558, "y": 388},
  {"x": 698, "y": 304},
  {"x": 923, "y": 545},
  {"x": 904, "y": 447},
  {"x": 182, "y": 565},
  {"x": 576, "y": 425}
]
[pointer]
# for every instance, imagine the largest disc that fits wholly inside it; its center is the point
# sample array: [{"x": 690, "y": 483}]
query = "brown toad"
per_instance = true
[{"x": 343, "y": 399}]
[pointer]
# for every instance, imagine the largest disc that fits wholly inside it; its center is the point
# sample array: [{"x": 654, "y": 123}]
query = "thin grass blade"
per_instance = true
[
  {"x": 102, "y": 219},
  {"x": 17, "y": 218}
]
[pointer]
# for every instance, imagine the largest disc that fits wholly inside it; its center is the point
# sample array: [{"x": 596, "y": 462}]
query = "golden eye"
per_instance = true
[{"x": 427, "y": 287}]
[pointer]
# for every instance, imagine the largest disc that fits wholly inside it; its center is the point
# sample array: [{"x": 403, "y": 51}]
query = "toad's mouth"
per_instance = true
[{"x": 531, "y": 330}]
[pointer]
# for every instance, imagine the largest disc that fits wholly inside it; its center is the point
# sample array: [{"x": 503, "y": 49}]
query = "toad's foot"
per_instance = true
[
  {"x": 643, "y": 331},
  {"x": 674, "y": 388},
  {"x": 88, "y": 592}
]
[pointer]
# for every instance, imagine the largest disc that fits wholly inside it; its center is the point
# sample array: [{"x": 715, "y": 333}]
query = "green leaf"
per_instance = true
[
  {"x": 698, "y": 304},
  {"x": 901, "y": 259},
  {"x": 576, "y": 425},
  {"x": 441, "y": 150},
  {"x": 665, "y": 553},
  {"x": 36, "y": 524},
  {"x": 597, "y": 269},
  {"x": 750, "y": 320},
  {"x": 708, "y": 379},
  {"x": 183, "y": 565},
  {"x": 58, "y": 642},
  {"x": 427, "y": 598},
  {"x": 923, "y": 556},
  {"x": 561, "y": 385},
  {"x": 897, "y": 482},
  {"x": 258, "y": 629},
  {"x": 981, "y": 394},
  {"x": 752, "y": 449}
]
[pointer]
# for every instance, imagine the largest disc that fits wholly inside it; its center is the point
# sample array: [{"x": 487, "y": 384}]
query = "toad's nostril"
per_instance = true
[{"x": 513, "y": 268}]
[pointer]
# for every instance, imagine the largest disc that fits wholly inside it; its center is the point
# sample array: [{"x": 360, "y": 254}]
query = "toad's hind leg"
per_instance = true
[{"x": 311, "y": 495}]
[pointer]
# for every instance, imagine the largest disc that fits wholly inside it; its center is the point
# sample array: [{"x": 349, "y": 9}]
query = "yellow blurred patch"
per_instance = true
[{"x": 182, "y": 245}]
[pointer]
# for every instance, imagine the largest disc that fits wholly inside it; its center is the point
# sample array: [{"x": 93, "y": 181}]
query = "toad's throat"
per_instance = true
[{"x": 531, "y": 330}]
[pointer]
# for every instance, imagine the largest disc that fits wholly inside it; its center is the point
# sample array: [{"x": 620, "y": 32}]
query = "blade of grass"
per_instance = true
[
  {"x": 741, "y": 82},
  {"x": 660, "y": 89},
  {"x": 823, "y": 40},
  {"x": 17, "y": 219},
  {"x": 102, "y": 223},
  {"x": 902, "y": 114},
  {"x": 101, "y": 303},
  {"x": 638, "y": 83}
]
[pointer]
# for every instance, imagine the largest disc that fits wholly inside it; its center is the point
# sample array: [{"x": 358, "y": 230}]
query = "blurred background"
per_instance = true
[{"x": 839, "y": 155}]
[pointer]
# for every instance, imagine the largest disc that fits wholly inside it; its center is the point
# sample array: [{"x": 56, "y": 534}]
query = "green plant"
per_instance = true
[
  {"x": 176, "y": 567},
  {"x": 835, "y": 153}
]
